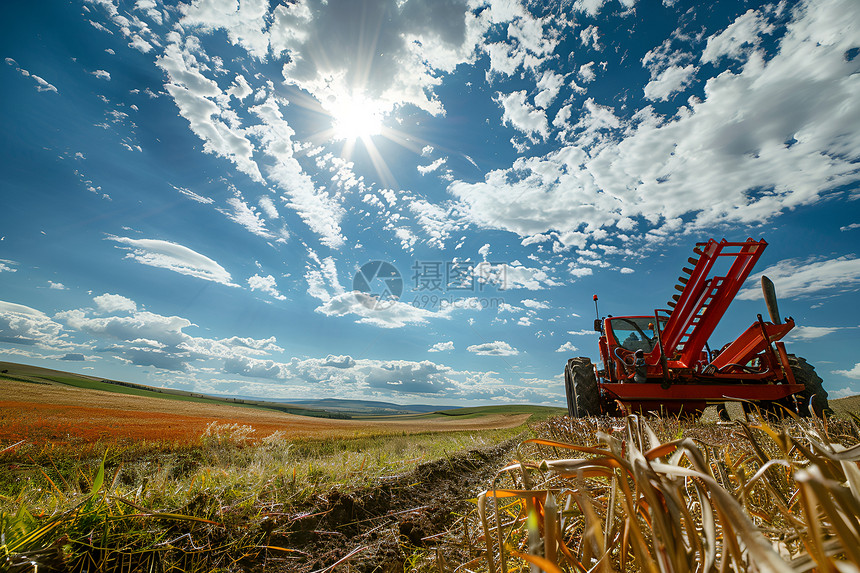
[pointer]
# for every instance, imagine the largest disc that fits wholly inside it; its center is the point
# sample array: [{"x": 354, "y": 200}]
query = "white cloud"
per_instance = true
[
  {"x": 247, "y": 216},
  {"x": 581, "y": 271},
  {"x": 420, "y": 39},
  {"x": 583, "y": 332},
  {"x": 148, "y": 339},
  {"x": 803, "y": 277},
  {"x": 268, "y": 207},
  {"x": 672, "y": 80},
  {"x": 150, "y": 9},
  {"x": 321, "y": 276},
  {"x": 854, "y": 373},
  {"x": 158, "y": 330},
  {"x": 112, "y": 303},
  {"x": 513, "y": 275},
  {"x": 534, "y": 304},
  {"x": 506, "y": 307},
  {"x": 811, "y": 332},
  {"x": 202, "y": 103},
  {"x": 437, "y": 221},
  {"x": 41, "y": 84},
  {"x": 174, "y": 257},
  {"x": 319, "y": 210},
  {"x": 523, "y": 116},
  {"x": 549, "y": 85},
  {"x": 441, "y": 347},
  {"x": 562, "y": 117},
  {"x": 590, "y": 36},
  {"x": 590, "y": 7},
  {"x": 56, "y": 286},
  {"x": 664, "y": 56},
  {"x": 244, "y": 22},
  {"x": 138, "y": 43},
  {"x": 350, "y": 377},
  {"x": 567, "y": 347},
  {"x": 240, "y": 89},
  {"x": 504, "y": 58},
  {"x": 324, "y": 285},
  {"x": 6, "y": 268},
  {"x": 406, "y": 237},
  {"x": 767, "y": 138},
  {"x": 384, "y": 314},
  {"x": 497, "y": 348},
  {"x": 20, "y": 324},
  {"x": 843, "y": 393},
  {"x": 267, "y": 285},
  {"x": 586, "y": 72},
  {"x": 129, "y": 25},
  {"x": 194, "y": 196},
  {"x": 738, "y": 40},
  {"x": 528, "y": 32},
  {"x": 425, "y": 169},
  {"x": 101, "y": 74}
]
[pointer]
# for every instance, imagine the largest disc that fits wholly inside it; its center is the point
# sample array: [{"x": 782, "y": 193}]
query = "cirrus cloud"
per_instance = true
[{"x": 174, "y": 257}]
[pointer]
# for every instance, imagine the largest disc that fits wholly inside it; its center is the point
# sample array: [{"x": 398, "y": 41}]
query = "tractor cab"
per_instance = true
[
  {"x": 632, "y": 333},
  {"x": 628, "y": 342}
]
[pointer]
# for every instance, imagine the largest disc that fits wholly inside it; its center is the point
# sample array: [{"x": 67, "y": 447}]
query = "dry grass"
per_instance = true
[{"x": 664, "y": 496}]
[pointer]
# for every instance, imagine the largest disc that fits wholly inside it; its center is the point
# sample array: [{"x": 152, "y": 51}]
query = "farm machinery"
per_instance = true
[{"x": 663, "y": 362}]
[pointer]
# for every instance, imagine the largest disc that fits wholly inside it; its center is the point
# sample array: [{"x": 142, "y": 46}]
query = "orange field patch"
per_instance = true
[{"x": 59, "y": 413}]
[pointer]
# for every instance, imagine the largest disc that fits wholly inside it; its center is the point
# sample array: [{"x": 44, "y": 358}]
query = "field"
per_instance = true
[
  {"x": 95, "y": 479},
  {"x": 59, "y": 413}
]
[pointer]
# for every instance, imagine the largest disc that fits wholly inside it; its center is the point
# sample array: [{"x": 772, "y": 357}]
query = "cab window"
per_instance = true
[{"x": 634, "y": 333}]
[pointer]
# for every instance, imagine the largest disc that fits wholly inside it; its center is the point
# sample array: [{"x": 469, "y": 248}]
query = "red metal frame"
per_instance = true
[{"x": 704, "y": 299}]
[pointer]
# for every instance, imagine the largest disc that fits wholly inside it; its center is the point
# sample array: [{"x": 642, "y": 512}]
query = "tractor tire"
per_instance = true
[
  {"x": 580, "y": 385},
  {"x": 804, "y": 373}
]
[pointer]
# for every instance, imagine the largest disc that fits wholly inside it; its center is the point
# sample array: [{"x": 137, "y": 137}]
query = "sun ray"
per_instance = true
[{"x": 379, "y": 164}]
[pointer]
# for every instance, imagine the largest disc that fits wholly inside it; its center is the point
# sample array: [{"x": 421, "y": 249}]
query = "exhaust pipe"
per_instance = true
[{"x": 769, "y": 292}]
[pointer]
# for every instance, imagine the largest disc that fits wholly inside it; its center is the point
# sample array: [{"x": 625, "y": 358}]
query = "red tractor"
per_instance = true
[{"x": 662, "y": 362}]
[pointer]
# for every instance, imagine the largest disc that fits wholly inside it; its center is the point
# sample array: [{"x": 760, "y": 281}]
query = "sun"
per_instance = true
[{"x": 355, "y": 117}]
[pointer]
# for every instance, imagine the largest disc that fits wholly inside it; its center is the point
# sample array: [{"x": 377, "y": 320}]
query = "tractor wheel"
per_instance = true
[
  {"x": 804, "y": 373},
  {"x": 580, "y": 385}
]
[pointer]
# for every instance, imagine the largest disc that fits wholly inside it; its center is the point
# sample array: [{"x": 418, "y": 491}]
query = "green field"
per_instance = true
[{"x": 537, "y": 413}]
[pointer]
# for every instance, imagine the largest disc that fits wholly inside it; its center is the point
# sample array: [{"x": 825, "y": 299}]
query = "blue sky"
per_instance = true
[{"x": 190, "y": 189}]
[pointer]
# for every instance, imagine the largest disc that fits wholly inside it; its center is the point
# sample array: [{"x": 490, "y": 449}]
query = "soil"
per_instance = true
[{"x": 375, "y": 529}]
